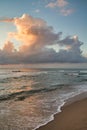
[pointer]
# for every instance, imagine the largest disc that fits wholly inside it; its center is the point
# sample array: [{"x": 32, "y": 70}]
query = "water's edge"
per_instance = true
[{"x": 65, "y": 103}]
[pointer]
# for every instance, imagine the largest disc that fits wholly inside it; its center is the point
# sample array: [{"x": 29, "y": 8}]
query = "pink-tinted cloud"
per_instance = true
[
  {"x": 62, "y": 7},
  {"x": 35, "y": 35},
  {"x": 5, "y": 19},
  {"x": 8, "y": 47},
  {"x": 57, "y": 3}
]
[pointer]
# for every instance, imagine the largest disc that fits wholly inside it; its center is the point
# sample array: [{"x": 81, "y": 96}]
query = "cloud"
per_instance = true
[
  {"x": 66, "y": 12},
  {"x": 33, "y": 33},
  {"x": 72, "y": 51},
  {"x": 62, "y": 6},
  {"x": 8, "y": 47},
  {"x": 37, "y": 10},
  {"x": 57, "y": 3},
  {"x": 5, "y": 19},
  {"x": 35, "y": 36}
]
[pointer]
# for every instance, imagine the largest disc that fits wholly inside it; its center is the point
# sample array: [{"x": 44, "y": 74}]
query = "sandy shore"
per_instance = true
[{"x": 72, "y": 117}]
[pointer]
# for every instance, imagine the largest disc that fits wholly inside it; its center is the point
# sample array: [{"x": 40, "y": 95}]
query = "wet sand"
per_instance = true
[{"x": 72, "y": 117}]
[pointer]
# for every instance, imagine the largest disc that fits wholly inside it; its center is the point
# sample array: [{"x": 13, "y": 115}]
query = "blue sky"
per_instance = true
[{"x": 69, "y": 18}]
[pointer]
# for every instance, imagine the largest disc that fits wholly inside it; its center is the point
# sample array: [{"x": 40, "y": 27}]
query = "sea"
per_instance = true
[{"x": 31, "y": 96}]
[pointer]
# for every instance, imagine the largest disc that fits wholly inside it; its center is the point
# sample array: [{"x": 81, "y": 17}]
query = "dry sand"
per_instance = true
[{"x": 72, "y": 117}]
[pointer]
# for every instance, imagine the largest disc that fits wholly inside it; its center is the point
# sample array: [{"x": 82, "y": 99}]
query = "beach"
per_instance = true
[
  {"x": 32, "y": 99},
  {"x": 72, "y": 117}
]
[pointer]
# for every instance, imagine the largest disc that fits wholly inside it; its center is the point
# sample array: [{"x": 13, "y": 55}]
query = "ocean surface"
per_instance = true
[{"x": 29, "y": 98}]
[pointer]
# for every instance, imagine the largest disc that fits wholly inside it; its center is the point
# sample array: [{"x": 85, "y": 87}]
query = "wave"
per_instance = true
[
  {"x": 19, "y": 96},
  {"x": 22, "y": 77},
  {"x": 23, "y": 94}
]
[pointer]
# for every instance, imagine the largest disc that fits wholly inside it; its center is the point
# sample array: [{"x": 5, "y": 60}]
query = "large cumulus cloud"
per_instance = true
[{"x": 35, "y": 37}]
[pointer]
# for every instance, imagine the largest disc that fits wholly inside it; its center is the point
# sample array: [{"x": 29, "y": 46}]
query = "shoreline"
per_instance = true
[{"x": 73, "y": 115}]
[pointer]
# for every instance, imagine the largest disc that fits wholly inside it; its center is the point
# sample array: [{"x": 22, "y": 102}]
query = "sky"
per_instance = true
[{"x": 43, "y": 31}]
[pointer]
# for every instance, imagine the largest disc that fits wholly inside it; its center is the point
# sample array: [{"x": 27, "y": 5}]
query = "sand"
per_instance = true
[{"x": 72, "y": 117}]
